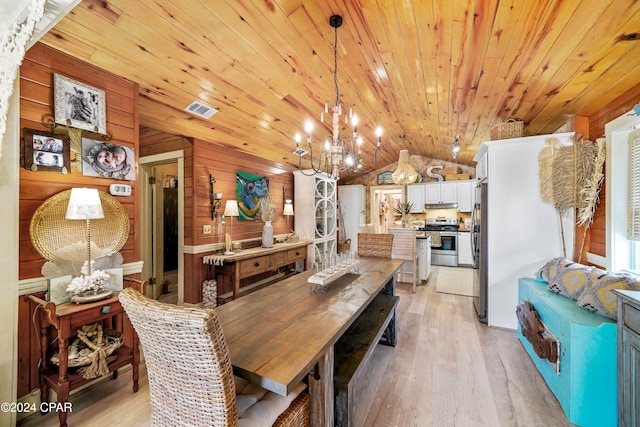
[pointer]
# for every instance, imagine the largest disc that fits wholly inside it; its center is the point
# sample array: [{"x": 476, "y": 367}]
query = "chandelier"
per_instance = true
[{"x": 339, "y": 153}]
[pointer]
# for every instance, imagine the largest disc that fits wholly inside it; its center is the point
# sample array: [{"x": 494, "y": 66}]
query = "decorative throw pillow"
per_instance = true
[
  {"x": 598, "y": 297},
  {"x": 570, "y": 280},
  {"x": 551, "y": 268}
]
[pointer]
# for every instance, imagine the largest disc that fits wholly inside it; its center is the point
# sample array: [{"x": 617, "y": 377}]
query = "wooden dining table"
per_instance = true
[{"x": 284, "y": 333}]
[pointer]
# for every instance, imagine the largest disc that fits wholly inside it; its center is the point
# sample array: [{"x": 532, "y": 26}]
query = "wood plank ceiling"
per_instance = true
[{"x": 426, "y": 69}]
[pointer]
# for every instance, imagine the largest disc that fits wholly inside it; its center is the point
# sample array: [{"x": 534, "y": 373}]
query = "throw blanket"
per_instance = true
[{"x": 436, "y": 242}]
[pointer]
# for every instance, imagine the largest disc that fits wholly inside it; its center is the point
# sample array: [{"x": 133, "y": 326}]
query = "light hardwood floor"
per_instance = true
[{"x": 447, "y": 370}]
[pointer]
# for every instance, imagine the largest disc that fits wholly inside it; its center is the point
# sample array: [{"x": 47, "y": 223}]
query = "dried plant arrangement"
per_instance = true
[
  {"x": 570, "y": 177},
  {"x": 591, "y": 175},
  {"x": 267, "y": 210}
]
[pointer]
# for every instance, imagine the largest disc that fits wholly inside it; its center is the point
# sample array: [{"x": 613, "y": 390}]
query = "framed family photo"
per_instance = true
[
  {"x": 107, "y": 160},
  {"x": 45, "y": 151},
  {"x": 79, "y": 105}
]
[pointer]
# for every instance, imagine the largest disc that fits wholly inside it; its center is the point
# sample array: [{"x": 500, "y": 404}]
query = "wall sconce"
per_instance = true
[
  {"x": 288, "y": 210},
  {"x": 214, "y": 198}
]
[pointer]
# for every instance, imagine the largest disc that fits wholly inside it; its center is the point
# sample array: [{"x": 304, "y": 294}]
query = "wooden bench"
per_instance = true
[{"x": 354, "y": 349}]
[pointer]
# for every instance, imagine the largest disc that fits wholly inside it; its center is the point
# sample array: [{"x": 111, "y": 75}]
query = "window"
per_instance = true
[
  {"x": 634, "y": 198},
  {"x": 623, "y": 192}
]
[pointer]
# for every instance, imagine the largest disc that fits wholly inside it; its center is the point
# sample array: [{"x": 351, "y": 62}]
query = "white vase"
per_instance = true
[{"x": 267, "y": 235}]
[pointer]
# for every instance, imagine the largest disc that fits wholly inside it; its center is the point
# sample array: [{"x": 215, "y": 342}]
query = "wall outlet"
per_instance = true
[{"x": 206, "y": 229}]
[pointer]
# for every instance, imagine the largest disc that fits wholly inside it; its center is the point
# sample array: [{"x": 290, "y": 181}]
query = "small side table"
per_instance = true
[{"x": 66, "y": 319}]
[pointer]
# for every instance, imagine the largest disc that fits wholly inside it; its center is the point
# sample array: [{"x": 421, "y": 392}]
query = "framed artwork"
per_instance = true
[
  {"x": 79, "y": 105},
  {"x": 57, "y": 289},
  {"x": 45, "y": 151},
  {"x": 385, "y": 178},
  {"x": 250, "y": 189},
  {"x": 116, "y": 280},
  {"x": 107, "y": 160}
]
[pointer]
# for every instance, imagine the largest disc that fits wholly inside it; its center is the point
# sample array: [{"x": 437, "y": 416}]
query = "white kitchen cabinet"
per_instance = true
[
  {"x": 415, "y": 195},
  {"x": 465, "y": 194},
  {"x": 441, "y": 192},
  {"x": 351, "y": 200},
  {"x": 316, "y": 213},
  {"x": 465, "y": 256}
]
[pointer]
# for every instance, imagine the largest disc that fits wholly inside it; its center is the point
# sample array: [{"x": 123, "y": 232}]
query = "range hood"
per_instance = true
[{"x": 441, "y": 206}]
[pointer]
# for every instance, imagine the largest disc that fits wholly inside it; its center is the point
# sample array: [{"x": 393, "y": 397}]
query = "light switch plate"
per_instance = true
[{"x": 120, "y": 189}]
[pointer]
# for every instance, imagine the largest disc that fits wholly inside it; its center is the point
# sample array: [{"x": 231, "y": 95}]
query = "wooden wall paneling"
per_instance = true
[{"x": 36, "y": 101}]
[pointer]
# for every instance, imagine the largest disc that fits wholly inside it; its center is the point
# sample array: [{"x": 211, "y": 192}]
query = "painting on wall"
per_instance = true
[
  {"x": 107, "y": 160},
  {"x": 79, "y": 105},
  {"x": 45, "y": 151},
  {"x": 250, "y": 189}
]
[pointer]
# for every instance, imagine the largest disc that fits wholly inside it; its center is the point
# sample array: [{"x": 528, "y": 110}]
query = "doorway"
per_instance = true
[
  {"x": 383, "y": 198},
  {"x": 162, "y": 225}
]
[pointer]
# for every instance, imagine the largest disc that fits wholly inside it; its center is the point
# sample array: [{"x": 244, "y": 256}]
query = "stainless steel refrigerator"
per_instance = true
[{"x": 479, "y": 250}]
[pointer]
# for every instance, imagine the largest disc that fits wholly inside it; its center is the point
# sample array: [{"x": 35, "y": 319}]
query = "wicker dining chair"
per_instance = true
[
  {"x": 190, "y": 375},
  {"x": 375, "y": 245}
]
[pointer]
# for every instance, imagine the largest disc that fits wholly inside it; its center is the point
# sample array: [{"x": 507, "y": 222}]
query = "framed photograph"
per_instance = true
[
  {"x": 79, "y": 105},
  {"x": 57, "y": 289},
  {"x": 45, "y": 151},
  {"x": 107, "y": 160},
  {"x": 116, "y": 276}
]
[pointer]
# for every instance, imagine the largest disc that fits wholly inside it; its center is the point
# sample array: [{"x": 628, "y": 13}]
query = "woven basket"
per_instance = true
[
  {"x": 510, "y": 128},
  {"x": 59, "y": 239}
]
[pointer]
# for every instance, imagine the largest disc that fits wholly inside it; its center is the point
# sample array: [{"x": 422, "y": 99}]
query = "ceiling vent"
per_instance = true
[{"x": 200, "y": 109}]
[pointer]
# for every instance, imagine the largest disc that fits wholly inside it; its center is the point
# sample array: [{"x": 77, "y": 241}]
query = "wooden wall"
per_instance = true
[
  {"x": 592, "y": 127},
  {"x": 36, "y": 101},
  {"x": 202, "y": 159}
]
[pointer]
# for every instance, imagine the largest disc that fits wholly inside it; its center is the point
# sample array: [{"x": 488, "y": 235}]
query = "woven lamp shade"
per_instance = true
[
  {"x": 57, "y": 239},
  {"x": 405, "y": 173}
]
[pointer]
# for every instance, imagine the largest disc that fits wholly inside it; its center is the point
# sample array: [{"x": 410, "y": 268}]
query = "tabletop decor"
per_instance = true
[
  {"x": 403, "y": 209},
  {"x": 90, "y": 286},
  {"x": 331, "y": 269},
  {"x": 267, "y": 214}
]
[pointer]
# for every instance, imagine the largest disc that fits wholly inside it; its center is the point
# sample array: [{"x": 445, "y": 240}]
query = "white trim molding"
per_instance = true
[{"x": 39, "y": 284}]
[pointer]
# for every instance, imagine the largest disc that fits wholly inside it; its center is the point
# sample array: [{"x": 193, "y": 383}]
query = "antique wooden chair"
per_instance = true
[
  {"x": 404, "y": 247},
  {"x": 375, "y": 245},
  {"x": 190, "y": 373}
]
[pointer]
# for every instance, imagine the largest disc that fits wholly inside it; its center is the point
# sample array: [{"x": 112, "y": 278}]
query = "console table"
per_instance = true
[
  {"x": 66, "y": 319},
  {"x": 251, "y": 262}
]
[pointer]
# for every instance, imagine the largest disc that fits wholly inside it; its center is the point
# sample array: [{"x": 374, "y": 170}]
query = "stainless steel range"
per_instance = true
[{"x": 444, "y": 240}]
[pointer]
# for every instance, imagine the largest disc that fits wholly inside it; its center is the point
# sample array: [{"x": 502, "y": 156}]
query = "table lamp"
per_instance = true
[
  {"x": 84, "y": 204},
  {"x": 230, "y": 209}
]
